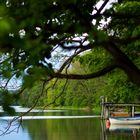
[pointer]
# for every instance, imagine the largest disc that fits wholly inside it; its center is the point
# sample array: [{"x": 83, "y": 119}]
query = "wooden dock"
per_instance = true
[{"x": 109, "y": 109}]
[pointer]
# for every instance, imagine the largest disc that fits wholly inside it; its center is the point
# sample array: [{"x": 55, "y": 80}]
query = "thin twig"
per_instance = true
[
  {"x": 69, "y": 60},
  {"x": 63, "y": 89},
  {"x": 23, "y": 114}
]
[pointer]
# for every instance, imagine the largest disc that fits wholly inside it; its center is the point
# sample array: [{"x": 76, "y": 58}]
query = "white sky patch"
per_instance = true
[
  {"x": 108, "y": 5},
  {"x": 22, "y": 33},
  {"x": 58, "y": 57},
  {"x": 13, "y": 83},
  {"x": 98, "y": 5}
]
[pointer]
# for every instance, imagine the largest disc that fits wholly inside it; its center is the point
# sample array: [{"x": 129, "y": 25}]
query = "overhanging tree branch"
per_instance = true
[
  {"x": 86, "y": 76},
  {"x": 123, "y": 62},
  {"x": 125, "y": 41},
  {"x": 101, "y": 7}
]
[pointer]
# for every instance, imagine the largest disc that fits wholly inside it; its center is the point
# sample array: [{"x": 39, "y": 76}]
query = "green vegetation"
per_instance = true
[
  {"x": 48, "y": 40},
  {"x": 85, "y": 94}
]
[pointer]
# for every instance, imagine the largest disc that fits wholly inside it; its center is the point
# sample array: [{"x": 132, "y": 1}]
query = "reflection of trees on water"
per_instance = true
[
  {"x": 135, "y": 134},
  {"x": 75, "y": 129},
  {"x": 63, "y": 129},
  {"x": 36, "y": 129},
  {"x": 125, "y": 132}
]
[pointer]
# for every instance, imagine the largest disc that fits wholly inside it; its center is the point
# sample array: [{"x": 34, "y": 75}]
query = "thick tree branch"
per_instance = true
[
  {"x": 102, "y": 7},
  {"x": 125, "y": 41},
  {"x": 116, "y": 40},
  {"x": 124, "y": 63},
  {"x": 118, "y": 55},
  {"x": 73, "y": 47},
  {"x": 86, "y": 76},
  {"x": 121, "y": 60}
]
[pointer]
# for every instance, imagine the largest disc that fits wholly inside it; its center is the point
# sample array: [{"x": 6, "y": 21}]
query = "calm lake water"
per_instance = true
[{"x": 74, "y": 125}]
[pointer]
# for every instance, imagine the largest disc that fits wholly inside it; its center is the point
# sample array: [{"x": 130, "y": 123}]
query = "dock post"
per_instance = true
[
  {"x": 102, "y": 106},
  {"x": 133, "y": 110},
  {"x": 106, "y": 109},
  {"x": 106, "y": 112}
]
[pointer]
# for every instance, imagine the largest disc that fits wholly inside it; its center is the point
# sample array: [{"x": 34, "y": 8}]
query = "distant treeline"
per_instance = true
[{"x": 85, "y": 93}]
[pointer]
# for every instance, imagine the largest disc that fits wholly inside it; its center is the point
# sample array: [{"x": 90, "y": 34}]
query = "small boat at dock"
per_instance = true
[{"x": 125, "y": 120}]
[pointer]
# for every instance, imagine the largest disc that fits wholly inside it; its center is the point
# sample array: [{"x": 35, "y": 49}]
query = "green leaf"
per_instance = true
[
  {"x": 5, "y": 26},
  {"x": 102, "y": 36},
  {"x": 28, "y": 81},
  {"x": 7, "y": 74}
]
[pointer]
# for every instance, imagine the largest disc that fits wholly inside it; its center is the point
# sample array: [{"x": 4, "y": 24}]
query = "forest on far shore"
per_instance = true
[{"x": 85, "y": 93}]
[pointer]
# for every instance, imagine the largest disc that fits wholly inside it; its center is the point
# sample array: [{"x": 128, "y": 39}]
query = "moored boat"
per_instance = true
[{"x": 125, "y": 120}]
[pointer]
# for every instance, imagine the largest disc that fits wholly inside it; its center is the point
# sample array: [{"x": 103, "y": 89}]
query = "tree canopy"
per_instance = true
[{"x": 32, "y": 31}]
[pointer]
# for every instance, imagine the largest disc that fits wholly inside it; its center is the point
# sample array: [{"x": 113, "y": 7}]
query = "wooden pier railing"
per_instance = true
[{"x": 109, "y": 109}]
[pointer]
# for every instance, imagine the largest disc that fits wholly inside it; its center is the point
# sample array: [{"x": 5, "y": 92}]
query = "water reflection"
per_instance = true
[
  {"x": 68, "y": 125},
  {"x": 44, "y": 117},
  {"x": 63, "y": 129},
  {"x": 124, "y": 127},
  {"x": 126, "y": 131},
  {"x": 14, "y": 133}
]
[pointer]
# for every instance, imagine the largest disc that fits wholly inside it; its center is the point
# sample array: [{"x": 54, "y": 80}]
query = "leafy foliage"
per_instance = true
[
  {"x": 6, "y": 100},
  {"x": 32, "y": 31}
]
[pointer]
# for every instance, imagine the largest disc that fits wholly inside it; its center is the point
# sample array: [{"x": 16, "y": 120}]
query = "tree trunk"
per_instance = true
[{"x": 124, "y": 63}]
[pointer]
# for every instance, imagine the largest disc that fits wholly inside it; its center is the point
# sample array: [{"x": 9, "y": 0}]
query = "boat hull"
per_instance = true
[{"x": 130, "y": 120}]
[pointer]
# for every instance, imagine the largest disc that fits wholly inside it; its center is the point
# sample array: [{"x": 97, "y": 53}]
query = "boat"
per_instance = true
[
  {"x": 120, "y": 114},
  {"x": 125, "y": 120}
]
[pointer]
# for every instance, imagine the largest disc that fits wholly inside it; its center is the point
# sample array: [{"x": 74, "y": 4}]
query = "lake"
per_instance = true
[{"x": 65, "y": 125}]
